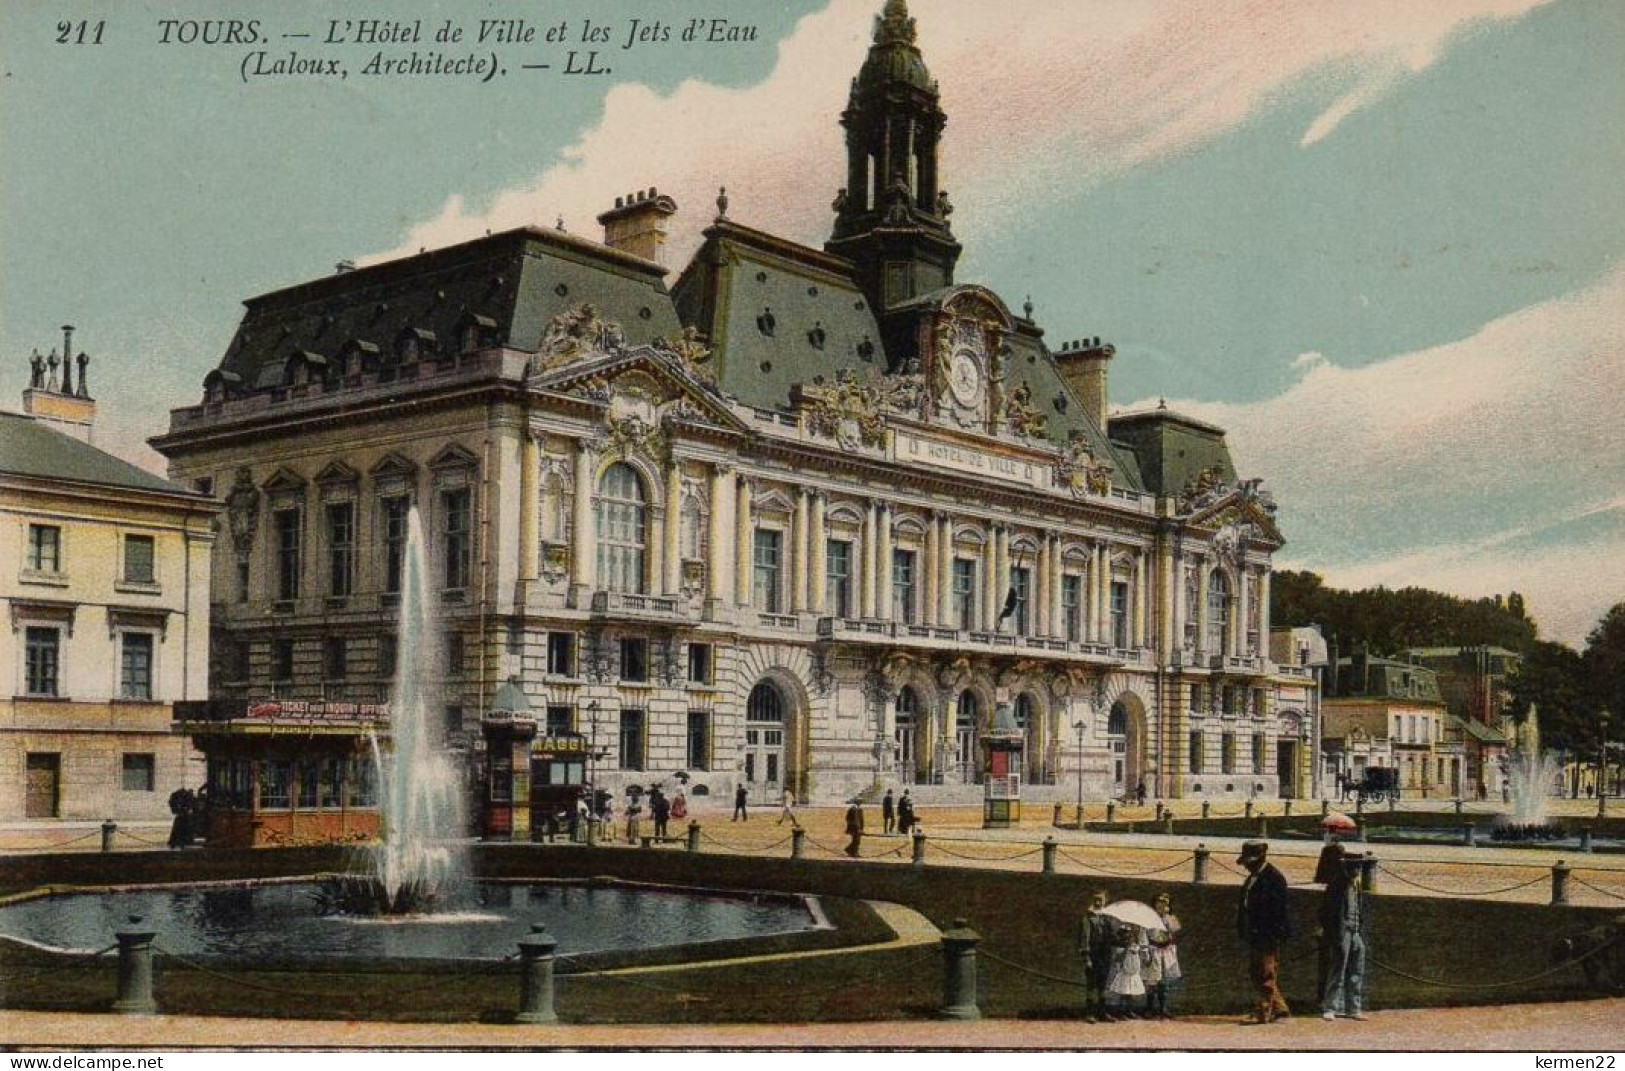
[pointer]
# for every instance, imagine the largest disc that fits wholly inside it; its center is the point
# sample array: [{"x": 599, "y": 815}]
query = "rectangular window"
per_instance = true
[
  {"x": 387, "y": 655},
  {"x": 336, "y": 658},
  {"x": 1196, "y": 697},
  {"x": 560, "y": 720},
  {"x": 308, "y": 775},
  {"x": 838, "y": 578},
  {"x": 902, "y": 586},
  {"x": 964, "y": 592},
  {"x": 456, "y": 651},
  {"x": 135, "y": 665},
  {"x": 454, "y": 531},
  {"x": 1227, "y": 753},
  {"x": 43, "y": 660},
  {"x": 395, "y": 510},
  {"x": 286, "y": 525},
  {"x": 1196, "y": 751},
  {"x": 1072, "y": 606},
  {"x": 634, "y": 658},
  {"x": 282, "y": 660},
  {"x": 768, "y": 555},
  {"x": 138, "y": 559},
  {"x": 699, "y": 663},
  {"x": 1021, "y": 584},
  {"x": 699, "y": 740},
  {"x": 1120, "y": 637},
  {"x": 561, "y": 654},
  {"x": 454, "y": 720},
  {"x": 340, "y": 548},
  {"x": 631, "y": 740},
  {"x": 361, "y": 783},
  {"x": 276, "y": 784},
  {"x": 332, "y": 782},
  {"x": 1258, "y": 753},
  {"x": 44, "y": 548},
  {"x": 140, "y": 772}
]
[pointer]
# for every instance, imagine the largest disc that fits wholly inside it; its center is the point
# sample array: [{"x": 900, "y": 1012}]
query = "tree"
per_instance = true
[
  {"x": 1551, "y": 681},
  {"x": 1605, "y": 662}
]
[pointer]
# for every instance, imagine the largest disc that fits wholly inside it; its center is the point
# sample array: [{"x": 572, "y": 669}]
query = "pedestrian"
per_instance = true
[
  {"x": 606, "y": 820},
  {"x": 1139, "y": 793},
  {"x": 1345, "y": 925},
  {"x": 854, "y": 827},
  {"x": 660, "y": 811},
  {"x": 905, "y": 813},
  {"x": 679, "y": 806},
  {"x": 888, "y": 813},
  {"x": 788, "y": 811},
  {"x": 1163, "y": 973},
  {"x": 578, "y": 827},
  {"x": 1263, "y": 922},
  {"x": 1095, "y": 946},
  {"x": 634, "y": 819},
  {"x": 740, "y": 797},
  {"x": 181, "y": 805}
]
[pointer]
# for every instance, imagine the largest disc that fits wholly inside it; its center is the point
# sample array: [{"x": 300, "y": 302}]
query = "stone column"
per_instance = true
[
  {"x": 1201, "y": 608},
  {"x": 945, "y": 575},
  {"x": 672, "y": 583},
  {"x": 1001, "y": 555},
  {"x": 530, "y": 511},
  {"x": 1140, "y": 601},
  {"x": 743, "y": 543},
  {"x": 817, "y": 554},
  {"x": 990, "y": 579},
  {"x": 1092, "y": 595},
  {"x": 1041, "y": 570},
  {"x": 1264, "y": 611},
  {"x": 932, "y": 570},
  {"x": 866, "y": 565},
  {"x": 1241, "y": 607},
  {"x": 1103, "y": 597},
  {"x": 799, "y": 572},
  {"x": 883, "y": 563},
  {"x": 584, "y": 566},
  {"x": 1057, "y": 572},
  {"x": 718, "y": 575}
]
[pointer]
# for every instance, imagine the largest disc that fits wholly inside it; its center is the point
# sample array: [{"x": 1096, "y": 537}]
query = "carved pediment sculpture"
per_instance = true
[
  {"x": 1021, "y": 416},
  {"x": 576, "y": 333},
  {"x": 852, "y": 410},
  {"x": 692, "y": 354},
  {"x": 1203, "y": 489},
  {"x": 1080, "y": 472}
]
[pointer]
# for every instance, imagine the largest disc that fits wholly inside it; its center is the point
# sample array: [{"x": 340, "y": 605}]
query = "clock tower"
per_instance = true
[{"x": 891, "y": 219}]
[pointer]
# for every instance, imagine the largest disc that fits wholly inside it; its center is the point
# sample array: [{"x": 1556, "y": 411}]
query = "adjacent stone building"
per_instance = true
[
  {"x": 1381, "y": 712},
  {"x": 800, "y": 519},
  {"x": 105, "y": 589}
]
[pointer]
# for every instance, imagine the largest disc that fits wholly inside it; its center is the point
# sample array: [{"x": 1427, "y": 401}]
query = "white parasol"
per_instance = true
[{"x": 1134, "y": 913}]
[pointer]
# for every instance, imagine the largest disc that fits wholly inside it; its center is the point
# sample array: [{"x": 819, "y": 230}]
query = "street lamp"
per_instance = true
[
  {"x": 1078, "y": 727},
  {"x": 592, "y": 780},
  {"x": 1602, "y": 763}
]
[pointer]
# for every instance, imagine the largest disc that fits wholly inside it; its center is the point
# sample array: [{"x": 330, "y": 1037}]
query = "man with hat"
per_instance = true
[{"x": 1263, "y": 922}]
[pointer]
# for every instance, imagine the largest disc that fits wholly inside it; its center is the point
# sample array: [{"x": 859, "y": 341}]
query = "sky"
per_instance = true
[{"x": 1381, "y": 243}]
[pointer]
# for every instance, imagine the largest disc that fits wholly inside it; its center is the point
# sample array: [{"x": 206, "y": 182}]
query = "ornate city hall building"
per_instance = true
[{"x": 803, "y": 519}]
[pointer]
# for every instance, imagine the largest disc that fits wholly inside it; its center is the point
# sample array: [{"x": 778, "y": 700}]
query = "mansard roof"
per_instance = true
[{"x": 32, "y": 448}]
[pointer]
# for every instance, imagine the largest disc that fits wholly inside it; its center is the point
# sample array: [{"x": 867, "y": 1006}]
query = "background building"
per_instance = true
[
  {"x": 106, "y": 593},
  {"x": 803, "y": 520},
  {"x": 1381, "y": 712}
]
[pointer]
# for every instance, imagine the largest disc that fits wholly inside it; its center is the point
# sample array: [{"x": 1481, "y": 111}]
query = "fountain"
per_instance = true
[
  {"x": 421, "y": 859},
  {"x": 1530, "y": 777}
]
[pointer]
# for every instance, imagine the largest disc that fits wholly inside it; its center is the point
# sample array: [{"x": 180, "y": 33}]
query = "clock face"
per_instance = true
[{"x": 965, "y": 378}]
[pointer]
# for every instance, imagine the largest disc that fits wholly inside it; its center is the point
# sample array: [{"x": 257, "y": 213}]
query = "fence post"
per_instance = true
[
  {"x": 1199, "y": 865},
  {"x": 109, "y": 831},
  {"x": 135, "y": 973},
  {"x": 1263, "y": 827},
  {"x": 1585, "y": 839},
  {"x": 1469, "y": 834},
  {"x": 959, "y": 972},
  {"x": 1288, "y": 812},
  {"x": 1111, "y": 811},
  {"x": 1247, "y": 810},
  {"x": 1393, "y": 801},
  {"x": 1458, "y": 804},
  {"x": 1205, "y": 805},
  {"x": 1560, "y": 882},
  {"x": 1325, "y": 808},
  {"x": 1159, "y": 811},
  {"x": 798, "y": 837},
  {"x": 693, "y": 836},
  {"x": 1359, "y": 830},
  {"x": 919, "y": 848},
  {"x": 1359, "y": 804},
  {"x": 1055, "y": 819},
  {"x": 1168, "y": 823},
  {"x": 1049, "y": 855},
  {"x": 536, "y": 976},
  {"x": 1602, "y": 804},
  {"x": 1368, "y": 873}
]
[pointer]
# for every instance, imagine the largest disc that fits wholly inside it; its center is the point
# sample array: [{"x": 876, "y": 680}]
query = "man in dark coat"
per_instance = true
[
  {"x": 1345, "y": 926},
  {"x": 1263, "y": 922},
  {"x": 740, "y": 796},
  {"x": 854, "y": 827},
  {"x": 905, "y": 813},
  {"x": 660, "y": 810},
  {"x": 1095, "y": 944},
  {"x": 888, "y": 813}
]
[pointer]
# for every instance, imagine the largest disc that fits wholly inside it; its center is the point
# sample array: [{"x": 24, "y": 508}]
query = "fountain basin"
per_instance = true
[{"x": 281, "y": 922}]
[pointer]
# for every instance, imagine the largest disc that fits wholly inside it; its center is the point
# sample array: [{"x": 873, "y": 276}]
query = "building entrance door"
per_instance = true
[
  {"x": 43, "y": 793},
  {"x": 764, "y": 761},
  {"x": 1286, "y": 768}
]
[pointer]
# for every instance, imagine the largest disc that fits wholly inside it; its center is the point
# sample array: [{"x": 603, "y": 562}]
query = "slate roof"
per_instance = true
[
  {"x": 1172, "y": 449},
  {"x": 1478, "y": 731},
  {"x": 32, "y": 448},
  {"x": 510, "y": 284}
]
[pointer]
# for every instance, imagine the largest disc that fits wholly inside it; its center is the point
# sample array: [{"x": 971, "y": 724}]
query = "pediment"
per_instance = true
[
  {"x": 284, "y": 481},
  {"x": 657, "y": 376},
  {"x": 1246, "y": 509},
  {"x": 337, "y": 472},
  {"x": 454, "y": 455},
  {"x": 393, "y": 465}
]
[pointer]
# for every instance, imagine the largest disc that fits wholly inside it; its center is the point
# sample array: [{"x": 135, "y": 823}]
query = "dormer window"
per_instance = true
[{"x": 475, "y": 332}]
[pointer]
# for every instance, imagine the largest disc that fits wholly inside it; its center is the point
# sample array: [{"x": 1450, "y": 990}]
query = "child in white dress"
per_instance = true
[
  {"x": 1162, "y": 972},
  {"x": 1126, "y": 984}
]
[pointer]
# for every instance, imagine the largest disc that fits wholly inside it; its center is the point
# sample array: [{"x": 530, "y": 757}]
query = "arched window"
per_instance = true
[
  {"x": 968, "y": 710},
  {"x": 622, "y": 530},
  {"x": 908, "y": 705},
  {"x": 766, "y": 703},
  {"x": 1218, "y": 612},
  {"x": 1025, "y": 713},
  {"x": 1117, "y": 721}
]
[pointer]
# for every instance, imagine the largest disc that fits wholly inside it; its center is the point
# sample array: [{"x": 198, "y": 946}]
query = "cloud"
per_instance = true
[
  {"x": 1041, "y": 98},
  {"x": 1490, "y": 464}
]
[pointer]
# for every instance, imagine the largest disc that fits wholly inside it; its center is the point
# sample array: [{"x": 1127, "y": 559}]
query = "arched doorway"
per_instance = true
[
  {"x": 1125, "y": 732},
  {"x": 766, "y": 712},
  {"x": 968, "y": 719},
  {"x": 1032, "y": 738},
  {"x": 906, "y": 734}
]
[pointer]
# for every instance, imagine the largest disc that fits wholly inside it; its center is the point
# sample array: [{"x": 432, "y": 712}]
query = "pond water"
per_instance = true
[{"x": 284, "y": 921}]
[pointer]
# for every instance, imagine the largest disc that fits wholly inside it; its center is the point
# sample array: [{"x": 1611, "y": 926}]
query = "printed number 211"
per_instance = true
[{"x": 80, "y": 33}]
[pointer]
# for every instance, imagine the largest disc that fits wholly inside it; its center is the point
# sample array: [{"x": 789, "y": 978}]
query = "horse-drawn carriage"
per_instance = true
[{"x": 1380, "y": 783}]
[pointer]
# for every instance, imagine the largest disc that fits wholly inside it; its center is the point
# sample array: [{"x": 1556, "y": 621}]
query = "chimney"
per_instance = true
[
  {"x": 71, "y": 410},
  {"x": 637, "y": 224},
  {"x": 1083, "y": 366}
]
